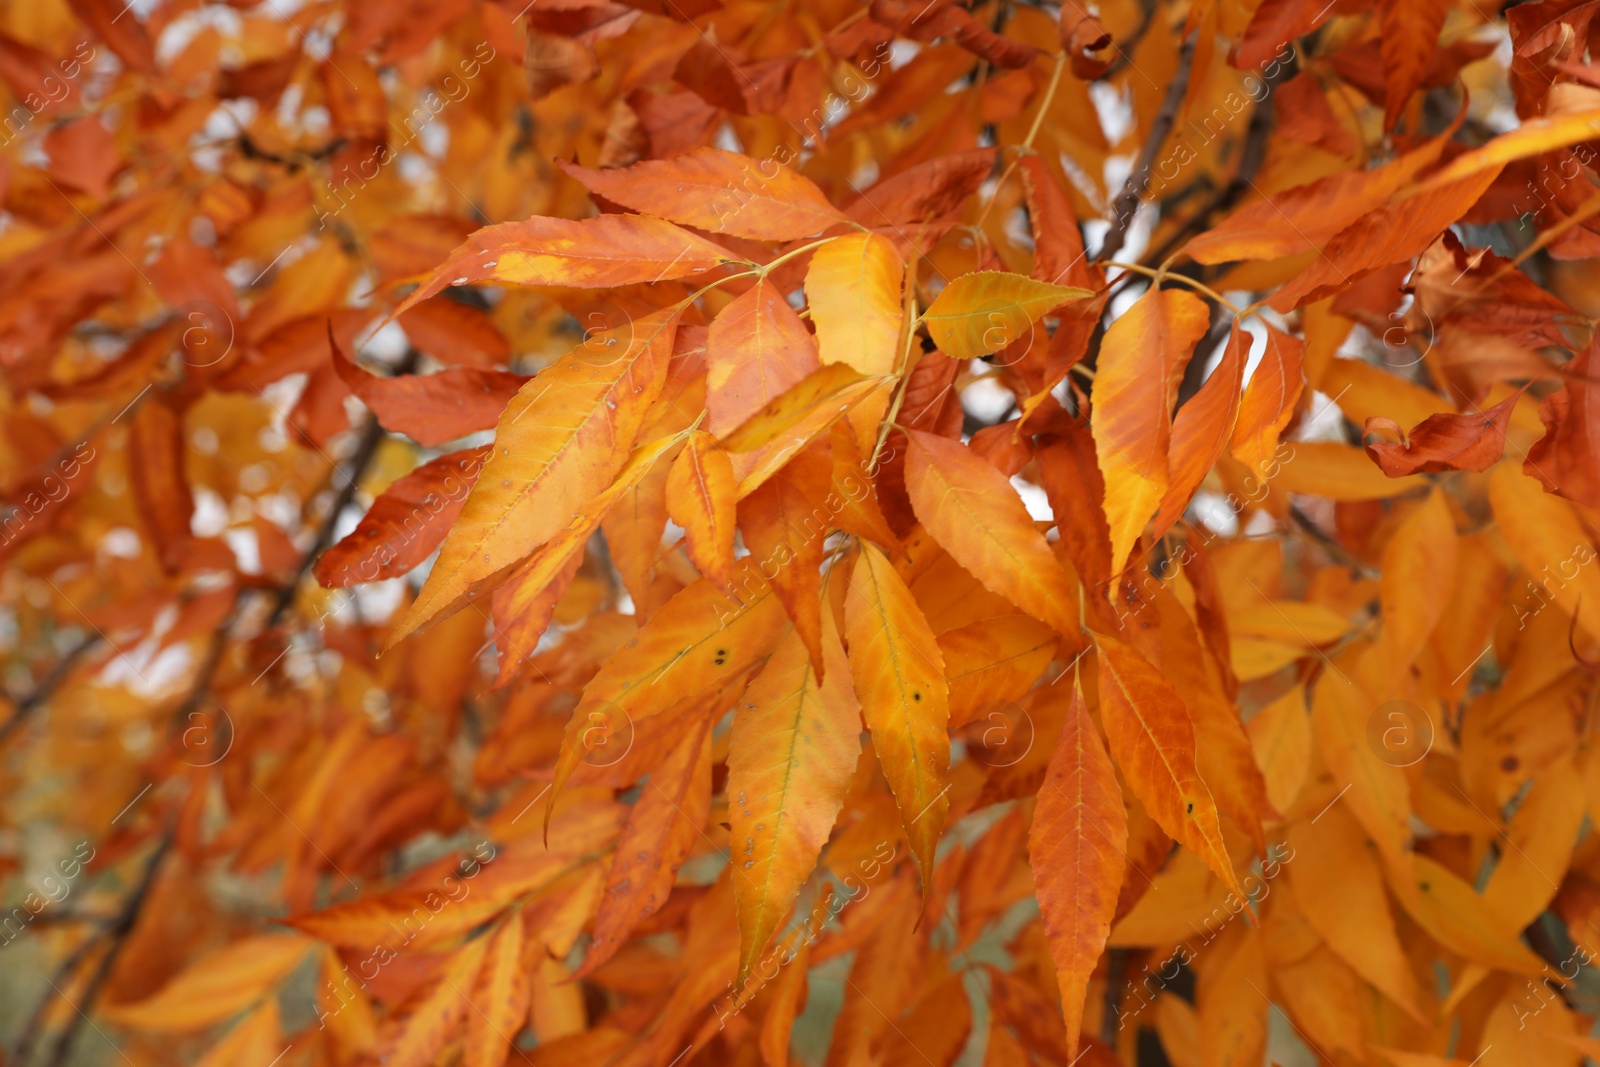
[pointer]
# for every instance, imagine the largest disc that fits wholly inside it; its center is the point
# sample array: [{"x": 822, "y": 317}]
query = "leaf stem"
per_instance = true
[
  {"x": 901, "y": 366},
  {"x": 1033, "y": 132},
  {"x": 1162, "y": 275}
]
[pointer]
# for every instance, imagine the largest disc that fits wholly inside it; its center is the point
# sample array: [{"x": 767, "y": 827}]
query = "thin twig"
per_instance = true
[
  {"x": 65, "y": 970},
  {"x": 46, "y": 687},
  {"x": 1127, "y": 203},
  {"x": 118, "y": 935},
  {"x": 1250, "y": 160}
]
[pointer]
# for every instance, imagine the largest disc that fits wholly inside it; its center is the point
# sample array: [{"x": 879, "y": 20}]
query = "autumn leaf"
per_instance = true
[
  {"x": 666, "y": 824},
  {"x": 973, "y": 513},
  {"x": 899, "y": 678},
  {"x": 1144, "y": 352},
  {"x": 703, "y": 639},
  {"x": 419, "y": 1037},
  {"x": 560, "y": 442},
  {"x": 794, "y": 748},
  {"x": 1443, "y": 442},
  {"x": 1077, "y": 846},
  {"x": 216, "y": 986},
  {"x": 1202, "y": 429},
  {"x": 986, "y": 311},
  {"x": 701, "y": 498},
  {"x": 603, "y": 251},
  {"x": 722, "y": 192},
  {"x": 500, "y": 998},
  {"x": 1410, "y": 33},
  {"x": 853, "y": 287},
  {"x": 1152, "y": 739},
  {"x": 406, "y": 522},
  {"x": 468, "y": 496},
  {"x": 757, "y": 349},
  {"x": 432, "y": 409}
]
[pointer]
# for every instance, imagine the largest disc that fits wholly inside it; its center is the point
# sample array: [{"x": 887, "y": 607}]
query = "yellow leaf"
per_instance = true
[
  {"x": 794, "y": 747},
  {"x": 989, "y": 310},
  {"x": 1419, "y": 563},
  {"x": 1551, "y": 542},
  {"x": 1378, "y": 795},
  {"x": 853, "y": 288},
  {"x": 1280, "y": 735},
  {"x": 1540, "y": 841},
  {"x": 560, "y": 442},
  {"x": 1531, "y": 137},
  {"x": 899, "y": 677},
  {"x": 834, "y": 387},
  {"x": 499, "y": 999},
  {"x": 1339, "y": 885},
  {"x": 1460, "y": 919},
  {"x": 700, "y": 498},
  {"x": 1335, "y": 472}
]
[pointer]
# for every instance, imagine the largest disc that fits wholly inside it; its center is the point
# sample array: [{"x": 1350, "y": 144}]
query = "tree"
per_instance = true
[{"x": 665, "y": 532}]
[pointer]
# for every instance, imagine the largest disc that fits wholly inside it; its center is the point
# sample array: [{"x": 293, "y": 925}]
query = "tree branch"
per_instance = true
[
  {"x": 118, "y": 935},
  {"x": 1251, "y": 157},
  {"x": 46, "y": 687},
  {"x": 1126, "y": 205}
]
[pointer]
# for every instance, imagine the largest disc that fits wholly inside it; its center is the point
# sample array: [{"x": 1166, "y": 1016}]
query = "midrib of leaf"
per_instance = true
[
  {"x": 588, "y": 418},
  {"x": 799, "y": 699},
  {"x": 731, "y": 618},
  {"x": 899, "y": 675},
  {"x": 995, "y": 663},
  {"x": 1145, "y": 726}
]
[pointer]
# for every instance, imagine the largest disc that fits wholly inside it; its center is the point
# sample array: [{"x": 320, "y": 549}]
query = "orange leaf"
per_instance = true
[
  {"x": 419, "y": 1037},
  {"x": 599, "y": 252},
  {"x": 1141, "y": 361},
  {"x": 975, "y": 515},
  {"x": 701, "y": 643},
  {"x": 722, "y": 192},
  {"x": 256, "y": 1041},
  {"x": 1202, "y": 430},
  {"x": 1410, "y": 35},
  {"x": 1269, "y": 399},
  {"x": 899, "y": 676},
  {"x": 1152, "y": 739},
  {"x": 524, "y": 604},
  {"x": 431, "y": 409},
  {"x": 1566, "y": 460},
  {"x": 405, "y": 523},
  {"x": 1077, "y": 846},
  {"x": 665, "y": 824},
  {"x": 1444, "y": 442},
  {"x": 757, "y": 348},
  {"x": 499, "y": 998},
  {"x": 794, "y": 748},
  {"x": 700, "y": 498},
  {"x": 215, "y": 987},
  {"x": 784, "y": 528},
  {"x": 561, "y": 441}
]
